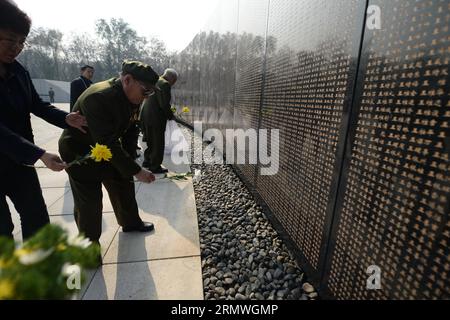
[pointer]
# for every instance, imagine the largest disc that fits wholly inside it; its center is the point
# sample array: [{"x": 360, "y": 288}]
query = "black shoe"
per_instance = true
[
  {"x": 159, "y": 170},
  {"x": 146, "y": 165},
  {"x": 144, "y": 227}
]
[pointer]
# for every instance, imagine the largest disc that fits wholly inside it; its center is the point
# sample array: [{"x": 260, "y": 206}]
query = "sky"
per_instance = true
[{"x": 173, "y": 21}]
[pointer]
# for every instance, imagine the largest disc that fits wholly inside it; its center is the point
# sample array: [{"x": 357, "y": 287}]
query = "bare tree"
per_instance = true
[
  {"x": 119, "y": 42},
  {"x": 82, "y": 48},
  {"x": 43, "y": 55},
  {"x": 49, "y": 57}
]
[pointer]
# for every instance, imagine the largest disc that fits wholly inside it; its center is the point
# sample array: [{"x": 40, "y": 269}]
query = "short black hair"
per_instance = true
[
  {"x": 13, "y": 19},
  {"x": 86, "y": 67}
]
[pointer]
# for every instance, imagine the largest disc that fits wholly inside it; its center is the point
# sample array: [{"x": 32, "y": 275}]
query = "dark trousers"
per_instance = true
[
  {"x": 154, "y": 154},
  {"x": 88, "y": 207},
  {"x": 21, "y": 185}
]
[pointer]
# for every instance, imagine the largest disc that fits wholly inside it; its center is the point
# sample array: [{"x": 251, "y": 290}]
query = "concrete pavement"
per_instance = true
[{"x": 164, "y": 264}]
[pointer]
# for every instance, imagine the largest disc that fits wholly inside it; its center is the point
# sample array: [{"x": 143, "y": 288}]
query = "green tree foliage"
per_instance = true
[{"x": 52, "y": 55}]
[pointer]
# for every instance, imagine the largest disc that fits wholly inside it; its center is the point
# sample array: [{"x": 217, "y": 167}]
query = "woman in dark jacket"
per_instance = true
[{"x": 18, "y": 98}]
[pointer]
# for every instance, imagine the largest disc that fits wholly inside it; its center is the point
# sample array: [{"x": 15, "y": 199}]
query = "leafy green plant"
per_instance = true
[{"x": 42, "y": 267}]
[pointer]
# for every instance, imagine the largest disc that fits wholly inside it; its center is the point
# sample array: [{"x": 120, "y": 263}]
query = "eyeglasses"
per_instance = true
[
  {"x": 146, "y": 92},
  {"x": 11, "y": 43}
]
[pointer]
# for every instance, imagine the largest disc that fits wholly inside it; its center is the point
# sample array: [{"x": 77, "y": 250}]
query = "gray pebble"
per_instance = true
[
  {"x": 240, "y": 297},
  {"x": 242, "y": 256}
]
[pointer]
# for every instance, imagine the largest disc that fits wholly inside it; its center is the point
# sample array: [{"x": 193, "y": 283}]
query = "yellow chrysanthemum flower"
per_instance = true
[
  {"x": 22, "y": 252},
  {"x": 185, "y": 109},
  {"x": 6, "y": 289},
  {"x": 61, "y": 247},
  {"x": 100, "y": 152},
  {"x": 3, "y": 263},
  {"x": 29, "y": 257}
]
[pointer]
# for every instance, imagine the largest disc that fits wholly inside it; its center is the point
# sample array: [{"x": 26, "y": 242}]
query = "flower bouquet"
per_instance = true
[{"x": 196, "y": 176}]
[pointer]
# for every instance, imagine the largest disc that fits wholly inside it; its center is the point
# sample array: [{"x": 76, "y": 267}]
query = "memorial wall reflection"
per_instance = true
[
  {"x": 207, "y": 70},
  {"x": 364, "y": 169},
  {"x": 251, "y": 51},
  {"x": 309, "y": 77}
]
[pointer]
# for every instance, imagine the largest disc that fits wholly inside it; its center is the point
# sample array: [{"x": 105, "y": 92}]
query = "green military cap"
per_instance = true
[{"x": 140, "y": 71}]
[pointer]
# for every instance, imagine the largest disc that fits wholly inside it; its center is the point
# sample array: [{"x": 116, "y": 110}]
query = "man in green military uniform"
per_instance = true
[
  {"x": 108, "y": 107},
  {"x": 154, "y": 115}
]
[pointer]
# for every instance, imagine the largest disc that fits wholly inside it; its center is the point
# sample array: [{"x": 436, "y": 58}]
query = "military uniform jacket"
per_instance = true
[
  {"x": 157, "y": 109},
  {"x": 108, "y": 114}
]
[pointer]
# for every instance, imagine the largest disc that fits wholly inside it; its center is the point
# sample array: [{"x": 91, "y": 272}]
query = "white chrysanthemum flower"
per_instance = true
[
  {"x": 27, "y": 257},
  {"x": 79, "y": 241}
]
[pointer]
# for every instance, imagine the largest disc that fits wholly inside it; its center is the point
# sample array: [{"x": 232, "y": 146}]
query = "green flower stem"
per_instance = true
[
  {"x": 180, "y": 176},
  {"x": 79, "y": 161}
]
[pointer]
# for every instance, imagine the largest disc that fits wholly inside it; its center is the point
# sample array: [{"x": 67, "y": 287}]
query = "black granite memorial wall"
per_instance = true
[{"x": 359, "y": 91}]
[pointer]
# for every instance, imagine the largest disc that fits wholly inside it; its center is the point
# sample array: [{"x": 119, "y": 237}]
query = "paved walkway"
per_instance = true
[{"x": 161, "y": 265}]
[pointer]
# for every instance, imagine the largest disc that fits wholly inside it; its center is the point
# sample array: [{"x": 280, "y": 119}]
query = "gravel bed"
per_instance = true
[{"x": 243, "y": 258}]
